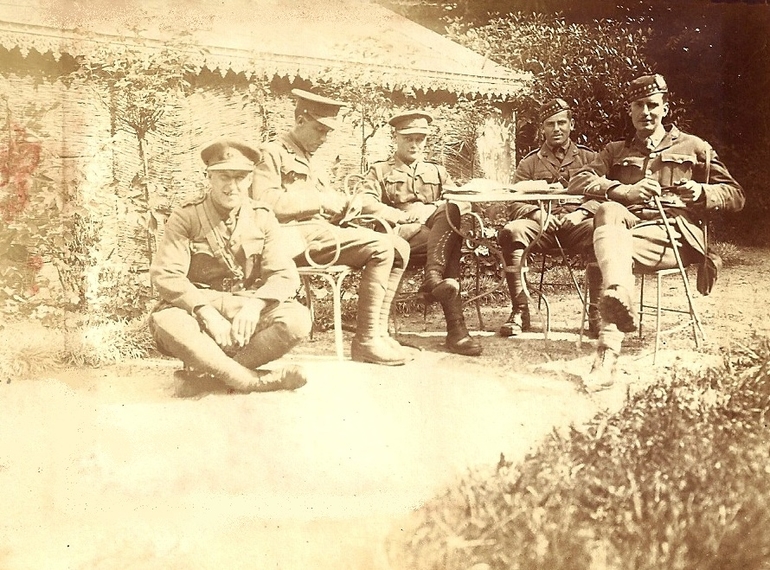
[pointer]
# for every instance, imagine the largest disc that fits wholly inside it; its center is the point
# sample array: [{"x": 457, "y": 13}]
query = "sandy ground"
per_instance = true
[{"x": 105, "y": 468}]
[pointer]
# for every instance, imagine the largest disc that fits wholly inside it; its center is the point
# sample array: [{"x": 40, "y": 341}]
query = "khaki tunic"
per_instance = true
[
  {"x": 679, "y": 156},
  {"x": 393, "y": 188},
  {"x": 543, "y": 164},
  {"x": 252, "y": 264}
]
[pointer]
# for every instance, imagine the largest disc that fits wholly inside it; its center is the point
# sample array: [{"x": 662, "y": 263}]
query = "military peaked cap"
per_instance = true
[
  {"x": 411, "y": 123},
  {"x": 552, "y": 107},
  {"x": 322, "y": 109},
  {"x": 645, "y": 86},
  {"x": 229, "y": 155}
]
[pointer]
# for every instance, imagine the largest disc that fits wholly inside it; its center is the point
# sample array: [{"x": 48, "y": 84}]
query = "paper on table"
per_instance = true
[{"x": 487, "y": 186}]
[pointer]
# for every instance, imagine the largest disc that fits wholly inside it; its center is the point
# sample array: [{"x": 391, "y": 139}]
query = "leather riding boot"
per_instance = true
[
  {"x": 594, "y": 280},
  {"x": 394, "y": 284},
  {"x": 370, "y": 344},
  {"x": 458, "y": 340},
  {"x": 442, "y": 242},
  {"x": 180, "y": 335}
]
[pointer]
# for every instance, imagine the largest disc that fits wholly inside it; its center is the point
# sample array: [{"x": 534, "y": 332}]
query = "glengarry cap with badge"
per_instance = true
[
  {"x": 551, "y": 108},
  {"x": 229, "y": 155},
  {"x": 317, "y": 107},
  {"x": 411, "y": 123},
  {"x": 645, "y": 86}
]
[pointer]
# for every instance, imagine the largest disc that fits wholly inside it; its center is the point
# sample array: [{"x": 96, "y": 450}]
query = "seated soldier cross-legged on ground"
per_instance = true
[
  {"x": 571, "y": 224},
  {"x": 657, "y": 165},
  {"x": 406, "y": 191},
  {"x": 226, "y": 284},
  {"x": 287, "y": 179}
]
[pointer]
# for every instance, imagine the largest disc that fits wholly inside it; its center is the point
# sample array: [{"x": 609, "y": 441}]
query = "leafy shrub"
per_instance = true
[
  {"x": 587, "y": 64},
  {"x": 677, "y": 479}
]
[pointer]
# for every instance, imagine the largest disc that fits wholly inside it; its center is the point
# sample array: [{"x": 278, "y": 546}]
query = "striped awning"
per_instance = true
[{"x": 315, "y": 40}]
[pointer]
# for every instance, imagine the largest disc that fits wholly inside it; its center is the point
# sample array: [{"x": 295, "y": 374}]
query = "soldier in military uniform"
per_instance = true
[
  {"x": 655, "y": 161},
  {"x": 227, "y": 284},
  {"x": 406, "y": 191},
  {"x": 572, "y": 224},
  {"x": 287, "y": 180}
]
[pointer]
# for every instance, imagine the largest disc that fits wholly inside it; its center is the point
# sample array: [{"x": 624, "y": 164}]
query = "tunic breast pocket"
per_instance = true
[
  {"x": 627, "y": 170},
  {"x": 292, "y": 173},
  {"x": 428, "y": 186},
  {"x": 397, "y": 189},
  {"x": 676, "y": 167}
]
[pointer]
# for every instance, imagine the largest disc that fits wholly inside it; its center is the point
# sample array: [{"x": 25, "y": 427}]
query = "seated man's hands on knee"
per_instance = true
[
  {"x": 572, "y": 219},
  {"x": 216, "y": 325},
  {"x": 245, "y": 323}
]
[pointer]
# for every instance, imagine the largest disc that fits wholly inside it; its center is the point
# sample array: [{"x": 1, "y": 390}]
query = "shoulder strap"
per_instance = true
[{"x": 216, "y": 243}]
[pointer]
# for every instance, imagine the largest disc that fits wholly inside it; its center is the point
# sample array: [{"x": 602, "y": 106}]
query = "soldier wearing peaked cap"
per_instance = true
[
  {"x": 288, "y": 180},
  {"x": 572, "y": 224},
  {"x": 406, "y": 191},
  {"x": 226, "y": 284},
  {"x": 629, "y": 231}
]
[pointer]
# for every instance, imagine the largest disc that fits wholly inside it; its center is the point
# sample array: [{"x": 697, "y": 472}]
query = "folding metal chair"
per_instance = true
[{"x": 658, "y": 309}]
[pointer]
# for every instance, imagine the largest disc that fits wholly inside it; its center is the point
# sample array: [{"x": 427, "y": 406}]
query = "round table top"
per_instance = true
[{"x": 506, "y": 196}]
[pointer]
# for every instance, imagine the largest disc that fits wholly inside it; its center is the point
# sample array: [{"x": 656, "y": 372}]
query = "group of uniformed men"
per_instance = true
[{"x": 226, "y": 267}]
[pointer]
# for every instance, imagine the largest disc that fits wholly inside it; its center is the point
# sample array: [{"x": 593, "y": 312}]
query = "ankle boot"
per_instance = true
[
  {"x": 603, "y": 370},
  {"x": 458, "y": 340},
  {"x": 179, "y": 333}
]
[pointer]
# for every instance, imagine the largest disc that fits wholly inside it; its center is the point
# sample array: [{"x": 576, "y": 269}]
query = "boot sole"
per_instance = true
[
  {"x": 380, "y": 362},
  {"x": 465, "y": 347},
  {"x": 613, "y": 310}
]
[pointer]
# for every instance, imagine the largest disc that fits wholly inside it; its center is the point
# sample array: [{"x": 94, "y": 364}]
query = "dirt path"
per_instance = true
[{"x": 105, "y": 469}]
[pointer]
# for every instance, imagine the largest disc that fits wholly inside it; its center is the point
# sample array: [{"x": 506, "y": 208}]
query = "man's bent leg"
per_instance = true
[
  {"x": 178, "y": 333},
  {"x": 376, "y": 253},
  {"x": 614, "y": 249},
  {"x": 281, "y": 328},
  {"x": 442, "y": 242},
  {"x": 513, "y": 239}
]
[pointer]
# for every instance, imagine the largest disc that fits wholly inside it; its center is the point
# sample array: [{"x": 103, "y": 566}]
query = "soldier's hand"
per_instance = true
[
  {"x": 216, "y": 325},
  {"x": 246, "y": 321},
  {"x": 573, "y": 218},
  {"x": 689, "y": 190},
  {"x": 641, "y": 192},
  {"x": 334, "y": 203}
]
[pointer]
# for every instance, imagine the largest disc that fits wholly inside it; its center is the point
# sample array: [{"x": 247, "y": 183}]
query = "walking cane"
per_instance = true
[{"x": 697, "y": 327}]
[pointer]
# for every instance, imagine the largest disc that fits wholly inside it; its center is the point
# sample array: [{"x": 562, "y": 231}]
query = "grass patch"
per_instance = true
[
  {"x": 100, "y": 342},
  {"x": 677, "y": 479}
]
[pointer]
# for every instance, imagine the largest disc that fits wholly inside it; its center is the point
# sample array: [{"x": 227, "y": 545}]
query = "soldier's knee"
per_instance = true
[
  {"x": 297, "y": 320},
  {"x": 610, "y": 213},
  {"x": 513, "y": 233}
]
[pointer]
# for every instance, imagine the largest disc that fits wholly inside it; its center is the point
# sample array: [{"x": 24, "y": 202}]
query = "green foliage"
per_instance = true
[
  {"x": 588, "y": 65},
  {"x": 39, "y": 214},
  {"x": 677, "y": 479}
]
